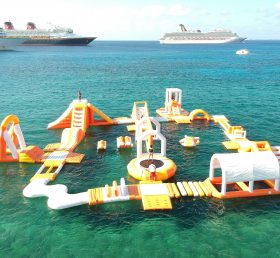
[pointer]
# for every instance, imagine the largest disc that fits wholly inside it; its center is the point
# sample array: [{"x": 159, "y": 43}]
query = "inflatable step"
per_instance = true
[
  {"x": 199, "y": 189},
  {"x": 187, "y": 188},
  {"x": 195, "y": 193},
  {"x": 156, "y": 202}
]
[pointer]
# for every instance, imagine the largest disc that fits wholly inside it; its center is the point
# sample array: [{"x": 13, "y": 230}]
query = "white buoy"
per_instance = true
[{"x": 242, "y": 52}]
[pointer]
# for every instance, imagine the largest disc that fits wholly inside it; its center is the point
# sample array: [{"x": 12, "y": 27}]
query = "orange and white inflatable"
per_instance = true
[
  {"x": 139, "y": 168},
  {"x": 245, "y": 174},
  {"x": 11, "y": 138},
  {"x": 101, "y": 145},
  {"x": 173, "y": 104},
  {"x": 124, "y": 142}
]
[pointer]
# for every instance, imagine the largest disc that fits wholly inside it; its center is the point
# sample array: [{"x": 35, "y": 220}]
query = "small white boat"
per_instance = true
[{"x": 242, "y": 52}]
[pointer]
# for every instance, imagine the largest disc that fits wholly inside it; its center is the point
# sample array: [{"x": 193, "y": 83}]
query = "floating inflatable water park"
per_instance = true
[{"x": 251, "y": 168}]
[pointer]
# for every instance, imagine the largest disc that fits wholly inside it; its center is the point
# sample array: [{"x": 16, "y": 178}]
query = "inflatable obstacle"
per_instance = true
[
  {"x": 12, "y": 144},
  {"x": 101, "y": 145},
  {"x": 173, "y": 106},
  {"x": 253, "y": 171},
  {"x": 173, "y": 110},
  {"x": 124, "y": 142},
  {"x": 189, "y": 141},
  {"x": 245, "y": 174},
  {"x": 140, "y": 109},
  {"x": 139, "y": 167},
  {"x": 81, "y": 114}
]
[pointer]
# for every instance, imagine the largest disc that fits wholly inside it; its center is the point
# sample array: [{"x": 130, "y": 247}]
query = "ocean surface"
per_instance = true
[{"x": 38, "y": 83}]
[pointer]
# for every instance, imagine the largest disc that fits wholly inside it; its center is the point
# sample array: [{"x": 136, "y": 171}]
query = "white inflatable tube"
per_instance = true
[
  {"x": 182, "y": 189},
  {"x": 58, "y": 196},
  {"x": 60, "y": 199},
  {"x": 124, "y": 189},
  {"x": 39, "y": 188},
  {"x": 10, "y": 144},
  {"x": 20, "y": 137},
  {"x": 118, "y": 198},
  {"x": 65, "y": 200},
  {"x": 195, "y": 193}
]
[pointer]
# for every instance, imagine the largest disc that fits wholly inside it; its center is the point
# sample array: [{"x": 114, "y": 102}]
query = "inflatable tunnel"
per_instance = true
[
  {"x": 199, "y": 114},
  {"x": 245, "y": 167}
]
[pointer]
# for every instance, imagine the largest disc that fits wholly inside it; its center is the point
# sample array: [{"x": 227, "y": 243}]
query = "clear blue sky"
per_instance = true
[{"x": 148, "y": 19}]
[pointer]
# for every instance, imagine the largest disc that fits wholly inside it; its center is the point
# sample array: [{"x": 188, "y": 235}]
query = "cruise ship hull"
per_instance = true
[
  {"x": 79, "y": 41},
  {"x": 7, "y": 43},
  {"x": 202, "y": 41}
]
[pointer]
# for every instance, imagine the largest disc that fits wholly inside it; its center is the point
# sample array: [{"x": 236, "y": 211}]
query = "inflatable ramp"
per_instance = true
[
  {"x": 76, "y": 119},
  {"x": 71, "y": 137},
  {"x": 67, "y": 119}
]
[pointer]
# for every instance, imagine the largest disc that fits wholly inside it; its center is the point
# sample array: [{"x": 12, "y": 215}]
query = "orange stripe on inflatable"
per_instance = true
[{"x": 9, "y": 119}]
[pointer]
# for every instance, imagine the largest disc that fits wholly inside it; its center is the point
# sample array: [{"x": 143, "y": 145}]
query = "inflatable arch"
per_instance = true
[
  {"x": 140, "y": 110},
  {"x": 245, "y": 167},
  {"x": 143, "y": 136},
  {"x": 199, "y": 114},
  {"x": 10, "y": 137}
]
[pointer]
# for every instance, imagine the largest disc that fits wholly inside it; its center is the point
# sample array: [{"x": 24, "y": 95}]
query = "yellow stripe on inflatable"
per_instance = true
[
  {"x": 107, "y": 191},
  {"x": 181, "y": 189},
  {"x": 187, "y": 188},
  {"x": 175, "y": 190},
  {"x": 9, "y": 119},
  {"x": 205, "y": 190},
  {"x": 207, "y": 187},
  {"x": 195, "y": 192},
  {"x": 115, "y": 188},
  {"x": 50, "y": 176},
  {"x": 170, "y": 190},
  {"x": 199, "y": 190},
  {"x": 243, "y": 186},
  {"x": 91, "y": 197},
  {"x": 214, "y": 191}
]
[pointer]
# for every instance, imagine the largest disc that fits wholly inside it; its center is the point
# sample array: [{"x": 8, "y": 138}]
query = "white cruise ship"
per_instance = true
[
  {"x": 198, "y": 37},
  {"x": 9, "y": 43}
]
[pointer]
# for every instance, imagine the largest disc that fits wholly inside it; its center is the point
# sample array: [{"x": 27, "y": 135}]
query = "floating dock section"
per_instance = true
[
  {"x": 173, "y": 110},
  {"x": 154, "y": 195}
]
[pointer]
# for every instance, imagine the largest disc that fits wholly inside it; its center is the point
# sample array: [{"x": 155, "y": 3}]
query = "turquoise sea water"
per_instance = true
[{"x": 38, "y": 83}]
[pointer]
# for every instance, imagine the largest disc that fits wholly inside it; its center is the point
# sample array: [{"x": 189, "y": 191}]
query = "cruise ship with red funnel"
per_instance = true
[{"x": 57, "y": 36}]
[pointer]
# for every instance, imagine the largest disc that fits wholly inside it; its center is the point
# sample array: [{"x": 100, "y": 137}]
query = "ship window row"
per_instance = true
[{"x": 198, "y": 38}]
